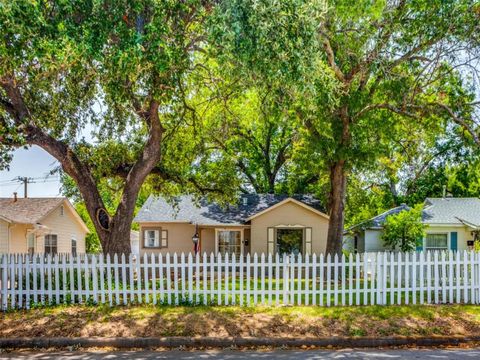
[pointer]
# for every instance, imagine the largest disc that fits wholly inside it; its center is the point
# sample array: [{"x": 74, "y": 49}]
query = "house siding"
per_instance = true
[
  {"x": 3, "y": 237},
  {"x": 207, "y": 236},
  {"x": 373, "y": 241},
  {"x": 18, "y": 238},
  {"x": 179, "y": 238},
  {"x": 289, "y": 214}
]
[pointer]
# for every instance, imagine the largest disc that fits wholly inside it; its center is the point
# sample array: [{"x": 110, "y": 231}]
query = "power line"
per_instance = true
[
  {"x": 39, "y": 179},
  {"x": 14, "y": 183}
]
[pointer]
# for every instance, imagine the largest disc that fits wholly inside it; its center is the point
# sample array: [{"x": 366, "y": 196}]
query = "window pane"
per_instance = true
[
  {"x": 437, "y": 241},
  {"x": 50, "y": 244},
  {"x": 152, "y": 238},
  {"x": 229, "y": 241},
  {"x": 290, "y": 241},
  {"x": 74, "y": 247}
]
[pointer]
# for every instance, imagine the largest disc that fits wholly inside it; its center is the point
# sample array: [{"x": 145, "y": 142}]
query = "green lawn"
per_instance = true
[
  {"x": 268, "y": 292},
  {"x": 310, "y": 321}
]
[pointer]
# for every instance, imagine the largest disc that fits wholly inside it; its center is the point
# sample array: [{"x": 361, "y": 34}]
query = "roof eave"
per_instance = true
[
  {"x": 289, "y": 199},
  {"x": 6, "y": 219}
]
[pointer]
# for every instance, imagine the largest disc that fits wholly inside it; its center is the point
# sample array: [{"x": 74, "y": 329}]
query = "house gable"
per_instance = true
[
  {"x": 290, "y": 215},
  {"x": 286, "y": 201},
  {"x": 67, "y": 227},
  {"x": 69, "y": 212}
]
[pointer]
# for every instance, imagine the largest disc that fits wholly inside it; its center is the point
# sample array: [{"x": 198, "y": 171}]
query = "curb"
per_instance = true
[{"x": 213, "y": 342}]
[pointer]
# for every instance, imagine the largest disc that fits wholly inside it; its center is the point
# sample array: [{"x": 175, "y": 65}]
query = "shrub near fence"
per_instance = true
[{"x": 360, "y": 279}]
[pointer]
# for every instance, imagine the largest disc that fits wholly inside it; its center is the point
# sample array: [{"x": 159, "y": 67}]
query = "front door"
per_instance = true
[{"x": 290, "y": 241}]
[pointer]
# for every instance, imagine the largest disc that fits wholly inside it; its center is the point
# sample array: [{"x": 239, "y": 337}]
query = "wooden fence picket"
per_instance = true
[
  {"x": 262, "y": 279},
  {"x": 219, "y": 279},
  {"x": 231, "y": 279},
  {"x": 329, "y": 278},
  {"x": 225, "y": 280},
  {"x": 197, "y": 279},
  {"x": 124, "y": 280},
  {"x": 190, "y": 278},
  {"x": 175, "y": 278}
]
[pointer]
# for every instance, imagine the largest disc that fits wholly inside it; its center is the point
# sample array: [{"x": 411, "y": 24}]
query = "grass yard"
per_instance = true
[{"x": 306, "y": 321}]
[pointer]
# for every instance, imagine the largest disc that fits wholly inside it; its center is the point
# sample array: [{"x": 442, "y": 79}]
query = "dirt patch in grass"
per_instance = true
[{"x": 82, "y": 321}]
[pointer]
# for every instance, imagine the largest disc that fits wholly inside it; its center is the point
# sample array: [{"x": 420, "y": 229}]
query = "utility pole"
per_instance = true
[{"x": 25, "y": 181}]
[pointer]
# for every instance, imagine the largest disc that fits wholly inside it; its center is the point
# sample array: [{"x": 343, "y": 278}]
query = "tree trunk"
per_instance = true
[
  {"x": 117, "y": 240},
  {"x": 338, "y": 184},
  {"x": 337, "y": 205}
]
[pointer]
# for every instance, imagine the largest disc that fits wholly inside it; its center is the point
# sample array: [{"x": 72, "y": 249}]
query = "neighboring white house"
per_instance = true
[
  {"x": 135, "y": 242},
  {"x": 40, "y": 225},
  {"x": 451, "y": 224}
]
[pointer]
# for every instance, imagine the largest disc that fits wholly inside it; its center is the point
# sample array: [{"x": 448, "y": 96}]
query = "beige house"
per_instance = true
[
  {"x": 40, "y": 225},
  {"x": 450, "y": 224},
  {"x": 257, "y": 224}
]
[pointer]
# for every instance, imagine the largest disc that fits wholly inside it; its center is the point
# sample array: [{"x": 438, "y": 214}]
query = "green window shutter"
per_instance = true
[
  {"x": 420, "y": 244},
  {"x": 454, "y": 241}
]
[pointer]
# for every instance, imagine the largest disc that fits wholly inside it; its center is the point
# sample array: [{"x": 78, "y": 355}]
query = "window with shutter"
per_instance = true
[
  {"x": 436, "y": 242},
  {"x": 151, "y": 238}
]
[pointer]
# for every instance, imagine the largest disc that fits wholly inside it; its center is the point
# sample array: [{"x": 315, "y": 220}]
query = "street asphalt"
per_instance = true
[{"x": 261, "y": 355}]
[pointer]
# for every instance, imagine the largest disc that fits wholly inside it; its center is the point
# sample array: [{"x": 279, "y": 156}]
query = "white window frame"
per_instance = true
[
  {"x": 436, "y": 233},
  {"x": 45, "y": 243},
  {"x": 157, "y": 237},
  {"x": 72, "y": 239},
  {"x": 305, "y": 251},
  {"x": 242, "y": 233}
]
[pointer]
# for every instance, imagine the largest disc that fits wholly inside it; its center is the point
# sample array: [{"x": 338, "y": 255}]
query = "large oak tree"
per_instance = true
[{"x": 114, "y": 66}]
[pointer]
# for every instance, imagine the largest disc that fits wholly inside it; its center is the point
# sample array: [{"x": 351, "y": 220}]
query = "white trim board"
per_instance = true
[{"x": 287, "y": 200}]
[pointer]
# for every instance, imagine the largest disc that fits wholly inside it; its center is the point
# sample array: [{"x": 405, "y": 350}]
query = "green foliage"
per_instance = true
[
  {"x": 364, "y": 88},
  {"x": 476, "y": 246},
  {"x": 404, "y": 229}
]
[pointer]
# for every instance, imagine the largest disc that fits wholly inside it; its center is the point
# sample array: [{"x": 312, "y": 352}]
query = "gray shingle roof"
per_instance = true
[
  {"x": 184, "y": 208},
  {"x": 28, "y": 210},
  {"x": 378, "y": 220},
  {"x": 451, "y": 211},
  {"x": 455, "y": 211}
]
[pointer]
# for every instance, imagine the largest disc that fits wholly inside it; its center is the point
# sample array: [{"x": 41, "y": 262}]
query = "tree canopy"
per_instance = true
[
  {"x": 116, "y": 66},
  {"x": 359, "y": 70},
  {"x": 366, "y": 104},
  {"x": 404, "y": 230}
]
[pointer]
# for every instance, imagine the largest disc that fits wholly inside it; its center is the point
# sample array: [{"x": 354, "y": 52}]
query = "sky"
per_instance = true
[{"x": 34, "y": 163}]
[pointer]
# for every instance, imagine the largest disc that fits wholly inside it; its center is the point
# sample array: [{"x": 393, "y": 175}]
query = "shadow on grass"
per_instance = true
[{"x": 309, "y": 321}]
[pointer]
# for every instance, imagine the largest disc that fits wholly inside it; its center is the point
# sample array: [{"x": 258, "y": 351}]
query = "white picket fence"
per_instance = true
[{"x": 360, "y": 279}]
